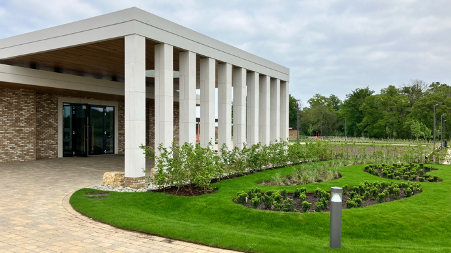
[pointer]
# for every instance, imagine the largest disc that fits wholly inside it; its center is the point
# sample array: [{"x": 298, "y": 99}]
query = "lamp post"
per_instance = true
[
  {"x": 297, "y": 119},
  {"x": 434, "y": 129},
  {"x": 345, "y": 130},
  {"x": 444, "y": 133},
  {"x": 441, "y": 131},
  {"x": 410, "y": 131}
]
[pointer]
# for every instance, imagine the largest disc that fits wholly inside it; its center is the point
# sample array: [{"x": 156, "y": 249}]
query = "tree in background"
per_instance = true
[
  {"x": 420, "y": 130},
  {"x": 350, "y": 110},
  {"x": 292, "y": 110}
]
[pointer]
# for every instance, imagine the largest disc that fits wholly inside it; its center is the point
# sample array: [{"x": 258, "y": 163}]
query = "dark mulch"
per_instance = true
[
  {"x": 312, "y": 199},
  {"x": 187, "y": 191}
]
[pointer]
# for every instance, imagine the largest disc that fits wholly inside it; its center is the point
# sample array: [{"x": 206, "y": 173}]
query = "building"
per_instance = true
[{"x": 106, "y": 85}]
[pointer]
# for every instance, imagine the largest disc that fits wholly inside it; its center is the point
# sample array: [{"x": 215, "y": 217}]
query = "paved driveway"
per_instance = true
[{"x": 35, "y": 214}]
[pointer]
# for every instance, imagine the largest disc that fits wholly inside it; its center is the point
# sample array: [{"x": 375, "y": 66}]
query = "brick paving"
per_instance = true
[{"x": 35, "y": 214}]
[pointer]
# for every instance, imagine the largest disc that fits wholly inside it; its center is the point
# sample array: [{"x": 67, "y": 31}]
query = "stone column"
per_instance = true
[
  {"x": 264, "y": 109},
  {"x": 135, "y": 105},
  {"x": 239, "y": 107},
  {"x": 187, "y": 97},
  {"x": 252, "y": 107},
  {"x": 207, "y": 101},
  {"x": 284, "y": 111},
  {"x": 164, "y": 96},
  {"x": 224, "y": 105},
  {"x": 275, "y": 110}
]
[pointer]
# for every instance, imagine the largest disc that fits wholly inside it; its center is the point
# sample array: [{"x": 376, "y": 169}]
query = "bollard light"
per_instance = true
[{"x": 335, "y": 216}]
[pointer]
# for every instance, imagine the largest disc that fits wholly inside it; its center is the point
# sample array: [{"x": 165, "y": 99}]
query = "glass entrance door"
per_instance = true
[
  {"x": 102, "y": 130},
  {"x": 88, "y": 130},
  {"x": 80, "y": 129}
]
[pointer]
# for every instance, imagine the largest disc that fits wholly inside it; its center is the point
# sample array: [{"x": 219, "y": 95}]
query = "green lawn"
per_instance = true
[{"x": 421, "y": 223}]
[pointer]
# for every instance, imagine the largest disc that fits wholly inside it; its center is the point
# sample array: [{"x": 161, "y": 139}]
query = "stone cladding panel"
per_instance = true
[{"x": 17, "y": 125}]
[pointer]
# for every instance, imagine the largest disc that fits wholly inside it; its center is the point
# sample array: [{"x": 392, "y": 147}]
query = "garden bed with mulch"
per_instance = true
[{"x": 366, "y": 194}]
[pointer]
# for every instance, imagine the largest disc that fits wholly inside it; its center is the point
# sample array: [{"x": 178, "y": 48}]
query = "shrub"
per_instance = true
[
  {"x": 269, "y": 193},
  {"x": 277, "y": 206},
  {"x": 396, "y": 192},
  {"x": 241, "y": 197},
  {"x": 353, "y": 194},
  {"x": 406, "y": 176},
  {"x": 390, "y": 176},
  {"x": 345, "y": 188},
  {"x": 435, "y": 179},
  {"x": 359, "y": 202},
  {"x": 408, "y": 192},
  {"x": 374, "y": 191},
  {"x": 302, "y": 197},
  {"x": 397, "y": 178},
  {"x": 306, "y": 206},
  {"x": 267, "y": 200},
  {"x": 319, "y": 205},
  {"x": 381, "y": 197},
  {"x": 350, "y": 204},
  {"x": 289, "y": 205},
  {"x": 421, "y": 179},
  {"x": 431, "y": 179},
  {"x": 255, "y": 202},
  {"x": 284, "y": 193},
  {"x": 367, "y": 195},
  {"x": 384, "y": 173},
  {"x": 277, "y": 197},
  {"x": 414, "y": 177}
]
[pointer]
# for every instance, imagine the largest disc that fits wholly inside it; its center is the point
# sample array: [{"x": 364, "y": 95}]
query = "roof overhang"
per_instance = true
[{"x": 101, "y": 38}]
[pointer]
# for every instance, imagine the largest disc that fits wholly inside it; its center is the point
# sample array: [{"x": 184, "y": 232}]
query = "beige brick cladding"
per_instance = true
[
  {"x": 46, "y": 126},
  {"x": 17, "y": 125}
]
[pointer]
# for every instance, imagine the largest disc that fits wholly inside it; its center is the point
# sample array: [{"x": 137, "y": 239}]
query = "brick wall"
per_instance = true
[
  {"x": 17, "y": 125},
  {"x": 29, "y": 125},
  {"x": 46, "y": 126}
]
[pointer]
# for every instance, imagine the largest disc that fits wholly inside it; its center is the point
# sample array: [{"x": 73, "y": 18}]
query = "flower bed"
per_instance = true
[
  {"x": 408, "y": 172},
  {"x": 365, "y": 194}
]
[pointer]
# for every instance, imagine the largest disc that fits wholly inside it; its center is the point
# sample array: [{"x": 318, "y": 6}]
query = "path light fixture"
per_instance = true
[
  {"x": 433, "y": 148},
  {"x": 441, "y": 131},
  {"x": 444, "y": 133},
  {"x": 298, "y": 102},
  {"x": 345, "y": 130},
  {"x": 335, "y": 216}
]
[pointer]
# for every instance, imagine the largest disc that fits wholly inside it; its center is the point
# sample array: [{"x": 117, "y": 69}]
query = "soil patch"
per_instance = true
[{"x": 187, "y": 191}]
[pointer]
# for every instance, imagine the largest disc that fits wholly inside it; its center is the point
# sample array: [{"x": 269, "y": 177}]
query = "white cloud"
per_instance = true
[{"x": 330, "y": 46}]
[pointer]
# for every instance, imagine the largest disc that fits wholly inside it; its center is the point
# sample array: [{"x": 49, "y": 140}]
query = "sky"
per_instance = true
[{"x": 331, "y": 47}]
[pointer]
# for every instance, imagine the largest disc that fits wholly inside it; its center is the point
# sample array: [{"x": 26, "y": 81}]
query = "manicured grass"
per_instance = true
[{"x": 421, "y": 223}]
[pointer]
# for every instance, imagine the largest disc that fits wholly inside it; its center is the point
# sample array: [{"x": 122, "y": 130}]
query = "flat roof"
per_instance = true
[{"x": 135, "y": 21}]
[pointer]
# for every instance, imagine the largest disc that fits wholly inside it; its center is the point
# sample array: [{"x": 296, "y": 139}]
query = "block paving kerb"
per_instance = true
[{"x": 36, "y": 215}]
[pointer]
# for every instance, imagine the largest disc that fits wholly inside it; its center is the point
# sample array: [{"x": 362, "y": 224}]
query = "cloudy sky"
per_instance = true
[{"x": 331, "y": 47}]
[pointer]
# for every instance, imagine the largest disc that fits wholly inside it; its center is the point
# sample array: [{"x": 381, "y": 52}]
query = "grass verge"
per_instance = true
[{"x": 421, "y": 223}]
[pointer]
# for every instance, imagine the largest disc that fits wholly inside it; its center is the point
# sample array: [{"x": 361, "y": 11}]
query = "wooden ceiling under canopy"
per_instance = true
[{"x": 104, "y": 58}]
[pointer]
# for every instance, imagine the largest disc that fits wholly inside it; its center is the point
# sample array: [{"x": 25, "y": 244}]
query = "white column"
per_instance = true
[
  {"x": 207, "y": 101},
  {"x": 187, "y": 97},
  {"x": 135, "y": 105},
  {"x": 264, "y": 109},
  {"x": 224, "y": 105},
  {"x": 239, "y": 107},
  {"x": 275, "y": 109},
  {"x": 284, "y": 111},
  {"x": 252, "y": 108},
  {"x": 164, "y": 100}
]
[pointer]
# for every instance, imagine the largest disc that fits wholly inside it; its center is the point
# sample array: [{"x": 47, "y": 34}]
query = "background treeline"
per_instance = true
[{"x": 390, "y": 114}]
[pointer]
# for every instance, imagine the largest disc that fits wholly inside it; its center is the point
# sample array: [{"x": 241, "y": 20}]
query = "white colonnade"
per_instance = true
[{"x": 260, "y": 102}]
